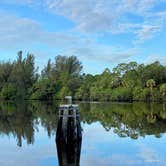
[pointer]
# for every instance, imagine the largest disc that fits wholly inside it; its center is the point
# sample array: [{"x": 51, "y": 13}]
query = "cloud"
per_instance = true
[
  {"x": 20, "y": 32},
  {"x": 153, "y": 58},
  {"x": 92, "y": 19},
  {"x": 30, "y": 3},
  {"x": 114, "y": 159},
  {"x": 103, "y": 53},
  {"x": 89, "y": 16},
  {"x": 148, "y": 155},
  {"x": 15, "y": 30},
  {"x": 111, "y": 16},
  {"x": 29, "y": 155},
  {"x": 146, "y": 32}
]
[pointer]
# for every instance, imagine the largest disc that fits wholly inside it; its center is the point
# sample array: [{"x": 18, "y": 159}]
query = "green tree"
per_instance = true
[
  {"x": 23, "y": 75},
  {"x": 163, "y": 91},
  {"x": 151, "y": 84},
  {"x": 63, "y": 76}
]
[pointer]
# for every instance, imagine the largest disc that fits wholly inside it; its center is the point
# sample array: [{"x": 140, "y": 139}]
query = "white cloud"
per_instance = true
[
  {"x": 146, "y": 32},
  {"x": 148, "y": 155},
  {"x": 91, "y": 18},
  {"x": 153, "y": 58},
  {"x": 107, "y": 16},
  {"x": 111, "y": 16},
  {"x": 30, "y": 3},
  {"x": 103, "y": 53},
  {"x": 19, "y": 32},
  {"x": 14, "y": 30},
  {"x": 112, "y": 160}
]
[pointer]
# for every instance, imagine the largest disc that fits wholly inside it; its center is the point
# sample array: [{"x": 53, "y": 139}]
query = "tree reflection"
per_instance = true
[
  {"x": 22, "y": 119},
  {"x": 16, "y": 120},
  {"x": 127, "y": 119}
]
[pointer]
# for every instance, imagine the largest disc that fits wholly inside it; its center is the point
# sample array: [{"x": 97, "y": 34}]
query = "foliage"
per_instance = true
[
  {"x": 20, "y": 120},
  {"x": 18, "y": 77},
  {"x": 63, "y": 76},
  {"x": 163, "y": 91}
]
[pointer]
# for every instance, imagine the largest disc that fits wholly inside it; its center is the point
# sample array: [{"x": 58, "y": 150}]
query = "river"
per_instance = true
[{"x": 113, "y": 134}]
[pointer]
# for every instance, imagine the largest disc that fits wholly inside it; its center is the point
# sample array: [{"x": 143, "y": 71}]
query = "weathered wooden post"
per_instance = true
[{"x": 69, "y": 134}]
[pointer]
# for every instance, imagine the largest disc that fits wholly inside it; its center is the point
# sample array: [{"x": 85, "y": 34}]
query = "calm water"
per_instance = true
[{"x": 114, "y": 134}]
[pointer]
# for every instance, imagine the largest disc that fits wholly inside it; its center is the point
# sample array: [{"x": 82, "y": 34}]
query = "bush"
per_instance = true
[
  {"x": 8, "y": 92},
  {"x": 138, "y": 94},
  {"x": 64, "y": 91},
  {"x": 122, "y": 94}
]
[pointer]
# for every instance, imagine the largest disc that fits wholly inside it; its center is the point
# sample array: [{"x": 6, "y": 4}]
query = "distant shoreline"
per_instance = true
[
  {"x": 86, "y": 101},
  {"x": 127, "y": 82}
]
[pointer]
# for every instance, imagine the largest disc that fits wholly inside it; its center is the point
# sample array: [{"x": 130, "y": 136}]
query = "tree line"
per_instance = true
[
  {"x": 131, "y": 81},
  {"x": 21, "y": 119},
  {"x": 127, "y": 120}
]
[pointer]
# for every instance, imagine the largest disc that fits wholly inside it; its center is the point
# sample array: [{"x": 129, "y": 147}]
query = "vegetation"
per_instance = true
[
  {"x": 127, "y": 120},
  {"x": 18, "y": 77},
  {"x": 22, "y": 120},
  {"x": 126, "y": 82}
]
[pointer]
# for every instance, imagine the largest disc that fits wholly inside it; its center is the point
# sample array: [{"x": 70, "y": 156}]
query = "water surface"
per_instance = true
[{"x": 114, "y": 134}]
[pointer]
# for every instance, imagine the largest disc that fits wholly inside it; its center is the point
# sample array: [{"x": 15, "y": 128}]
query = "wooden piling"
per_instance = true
[{"x": 69, "y": 135}]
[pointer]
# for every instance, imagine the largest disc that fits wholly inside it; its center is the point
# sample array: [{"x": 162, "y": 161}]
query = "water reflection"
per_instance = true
[
  {"x": 127, "y": 120},
  {"x": 69, "y": 136},
  {"x": 21, "y": 120},
  {"x": 69, "y": 153}
]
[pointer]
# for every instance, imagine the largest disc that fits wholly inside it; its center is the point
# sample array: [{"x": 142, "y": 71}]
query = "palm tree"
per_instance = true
[
  {"x": 150, "y": 84},
  {"x": 163, "y": 89}
]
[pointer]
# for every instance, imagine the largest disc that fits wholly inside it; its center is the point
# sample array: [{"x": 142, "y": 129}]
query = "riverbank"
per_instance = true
[{"x": 126, "y": 82}]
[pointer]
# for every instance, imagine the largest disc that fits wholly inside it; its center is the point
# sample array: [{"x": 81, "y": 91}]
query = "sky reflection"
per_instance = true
[
  {"x": 105, "y": 148},
  {"x": 30, "y": 141}
]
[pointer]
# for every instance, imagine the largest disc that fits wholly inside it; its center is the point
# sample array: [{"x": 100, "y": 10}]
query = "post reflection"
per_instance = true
[
  {"x": 69, "y": 137},
  {"x": 69, "y": 153}
]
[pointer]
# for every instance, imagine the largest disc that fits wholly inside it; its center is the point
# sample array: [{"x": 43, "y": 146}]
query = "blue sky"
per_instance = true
[{"x": 101, "y": 33}]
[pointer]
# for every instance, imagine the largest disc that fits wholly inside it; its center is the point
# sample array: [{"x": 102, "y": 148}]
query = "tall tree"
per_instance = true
[
  {"x": 150, "y": 84},
  {"x": 163, "y": 91}
]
